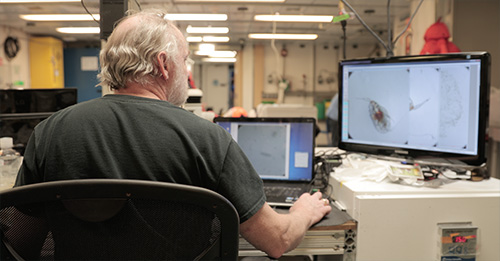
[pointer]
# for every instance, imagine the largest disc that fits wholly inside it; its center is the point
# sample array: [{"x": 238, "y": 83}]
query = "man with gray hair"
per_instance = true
[{"x": 140, "y": 132}]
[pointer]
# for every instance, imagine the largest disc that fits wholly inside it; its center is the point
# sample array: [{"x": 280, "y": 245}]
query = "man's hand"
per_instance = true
[
  {"x": 276, "y": 233},
  {"x": 313, "y": 205}
]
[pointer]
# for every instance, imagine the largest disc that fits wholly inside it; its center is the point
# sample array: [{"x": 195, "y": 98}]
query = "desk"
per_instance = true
[
  {"x": 399, "y": 222},
  {"x": 328, "y": 237}
]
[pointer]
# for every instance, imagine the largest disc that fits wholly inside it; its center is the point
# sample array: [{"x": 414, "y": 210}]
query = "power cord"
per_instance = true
[
  {"x": 88, "y": 12},
  {"x": 322, "y": 169}
]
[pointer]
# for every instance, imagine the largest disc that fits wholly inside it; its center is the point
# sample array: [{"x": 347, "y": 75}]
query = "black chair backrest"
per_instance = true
[{"x": 109, "y": 219}]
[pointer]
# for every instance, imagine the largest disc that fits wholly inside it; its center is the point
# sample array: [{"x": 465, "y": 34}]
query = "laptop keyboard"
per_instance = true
[{"x": 278, "y": 193}]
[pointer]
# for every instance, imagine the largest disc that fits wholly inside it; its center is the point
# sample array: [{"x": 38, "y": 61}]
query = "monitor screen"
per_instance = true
[
  {"x": 416, "y": 106},
  {"x": 278, "y": 148},
  {"x": 36, "y": 100},
  {"x": 22, "y": 109}
]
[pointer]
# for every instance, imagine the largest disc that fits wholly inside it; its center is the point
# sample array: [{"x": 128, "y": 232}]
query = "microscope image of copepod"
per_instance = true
[{"x": 381, "y": 118}]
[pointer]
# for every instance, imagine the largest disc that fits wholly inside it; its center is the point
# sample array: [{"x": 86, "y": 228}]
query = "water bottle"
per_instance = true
[{"x": 10, "y": 162}]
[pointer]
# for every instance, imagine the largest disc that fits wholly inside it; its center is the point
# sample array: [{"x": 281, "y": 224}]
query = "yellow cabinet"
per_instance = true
[{"x": 46, "y": 62}]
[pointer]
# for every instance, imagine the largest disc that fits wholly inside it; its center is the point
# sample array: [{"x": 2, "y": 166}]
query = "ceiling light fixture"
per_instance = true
[
  {"x": 216, "y": 39},
  {"x": 59, "y": 17},
  {"x": 284, "y": 36},
  {"x": 207, "y": 30},
  {"x": 35, "y": 1},
  {"x": 208, "y": 39},
  {"x": 235, "y": 1},
  {"x": 219, "y": 60},
  {"x": 217, "y": 54},
  {"x": 295, "y": 18},
  {"x": 196, "y": 17},
  {"x": 194, "y": 39},
  {"x": 206, "y": 47},
  {"x": 78, "y": 30}
]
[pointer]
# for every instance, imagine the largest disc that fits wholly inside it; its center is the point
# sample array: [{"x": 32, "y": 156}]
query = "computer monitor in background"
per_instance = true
[
  {"x": 22, "y": 109},
  {"x": 432, "y": 106}
]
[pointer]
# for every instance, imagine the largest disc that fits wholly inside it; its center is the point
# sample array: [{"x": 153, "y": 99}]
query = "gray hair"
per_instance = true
[{"x": 130, "y": 52}]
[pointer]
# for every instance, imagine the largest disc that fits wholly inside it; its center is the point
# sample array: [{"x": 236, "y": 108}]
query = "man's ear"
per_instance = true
[{"x": 162, "y": 65}]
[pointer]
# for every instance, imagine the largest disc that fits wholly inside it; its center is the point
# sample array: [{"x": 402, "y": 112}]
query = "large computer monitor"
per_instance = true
[{"x": 431, "y": 106}]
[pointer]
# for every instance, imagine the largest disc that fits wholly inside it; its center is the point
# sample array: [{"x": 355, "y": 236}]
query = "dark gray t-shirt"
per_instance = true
[{"x": 128, "y": 137}]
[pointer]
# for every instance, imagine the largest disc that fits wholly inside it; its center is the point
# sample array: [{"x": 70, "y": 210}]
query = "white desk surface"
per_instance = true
[
  {"x": 385, "y": 187},
  {"x": 387, "y": 213},
  {"x": 361, "y": 179}
]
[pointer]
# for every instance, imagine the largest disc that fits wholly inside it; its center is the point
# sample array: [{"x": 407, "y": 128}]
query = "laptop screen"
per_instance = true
[{"x": 278, "y": 148}]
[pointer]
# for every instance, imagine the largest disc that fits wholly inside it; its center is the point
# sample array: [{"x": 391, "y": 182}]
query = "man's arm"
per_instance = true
[{"x": 276, "y": 233}]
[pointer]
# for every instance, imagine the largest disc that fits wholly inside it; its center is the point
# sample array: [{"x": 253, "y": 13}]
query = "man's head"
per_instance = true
[{"x": 146, "y": 49}]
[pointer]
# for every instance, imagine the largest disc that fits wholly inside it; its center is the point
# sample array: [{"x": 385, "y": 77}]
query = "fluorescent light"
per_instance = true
[
  {"x": 207, "y": 30},
  {"x": 219, "y": 54},
  {"x": 206, "y": 47},
  {"x": 196, "y": 17},
  {"x": 78, "y": 30},
  {"x": 218, "y": 39},
  {"x": 208, "y": 39},
  {"x": 203, "y": 53},
  {"x": 295, "y": 18},
  {"x": 194, "y": 39},
  {"x": 35, "y": 1},
  {"x": 59, "y": 17},
  {"x": 284, "y": 36},
  {"x": 235, "y": 1},
  {"x": 219, "y": 60}
]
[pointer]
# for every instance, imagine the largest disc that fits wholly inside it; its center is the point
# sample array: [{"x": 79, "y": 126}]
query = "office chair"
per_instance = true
[{"x": 108, "y": 219}]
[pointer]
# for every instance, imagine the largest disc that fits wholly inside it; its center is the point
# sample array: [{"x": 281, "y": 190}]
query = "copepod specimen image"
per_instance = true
[{"x": 380, "y": 117}]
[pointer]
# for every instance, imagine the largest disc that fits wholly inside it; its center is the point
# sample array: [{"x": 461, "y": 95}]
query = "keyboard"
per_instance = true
[{"x": 282, "y": 193}]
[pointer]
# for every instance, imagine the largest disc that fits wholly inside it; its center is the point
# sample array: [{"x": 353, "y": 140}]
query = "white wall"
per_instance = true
[
  {"x": 326, "y": 66},
  {"x": 215, "y": 78},
  {"x": 304, "y": 63},
  {"x": 16, "y": 71},
  {"x": 296, "y": 68}
]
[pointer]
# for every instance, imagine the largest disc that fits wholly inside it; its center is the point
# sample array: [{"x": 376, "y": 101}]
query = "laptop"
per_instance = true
[{"x": 281, "y": 151}]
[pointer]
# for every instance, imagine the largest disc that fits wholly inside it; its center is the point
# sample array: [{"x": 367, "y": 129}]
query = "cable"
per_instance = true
[
  {"x": 409, "y": 22},
  {"x": 332, "y": 153},
  {"x": 138, "y": 5},
  {"x": 326, "y": 161},
  {"x": 366, "y": 26},
  {"x": 88, "y": 12},
  {"x": 344, "y": 23},
  {"x": 389, "y": 30}
]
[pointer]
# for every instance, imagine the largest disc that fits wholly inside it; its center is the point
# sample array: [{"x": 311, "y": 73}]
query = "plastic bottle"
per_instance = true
[{"x": 10, "y": 161}]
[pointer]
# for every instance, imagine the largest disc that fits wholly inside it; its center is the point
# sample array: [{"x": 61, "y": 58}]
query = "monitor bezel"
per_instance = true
[{"x": 416, "y": 154}]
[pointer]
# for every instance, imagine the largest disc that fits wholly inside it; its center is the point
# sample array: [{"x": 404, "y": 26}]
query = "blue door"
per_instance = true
[{"x": 80, "y": 71}]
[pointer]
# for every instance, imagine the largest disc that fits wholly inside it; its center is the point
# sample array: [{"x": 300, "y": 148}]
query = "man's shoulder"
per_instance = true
[{"x": 83, "y": 107}]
